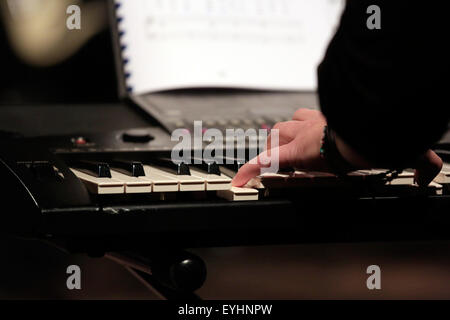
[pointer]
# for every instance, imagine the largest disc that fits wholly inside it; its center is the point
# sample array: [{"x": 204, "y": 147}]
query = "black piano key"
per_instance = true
[
  {"x": 131, "y": 168},
  {"x": 231, "y": 167},
  {"x": 233, "y": 164},
  {"x": 169, "y": 166},
  {"x": 94, "y": 168},
  {"x": 210, "y": 167}
]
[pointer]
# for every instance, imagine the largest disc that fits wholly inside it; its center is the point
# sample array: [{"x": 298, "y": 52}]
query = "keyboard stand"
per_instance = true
[{"x": 172, "y": 275}]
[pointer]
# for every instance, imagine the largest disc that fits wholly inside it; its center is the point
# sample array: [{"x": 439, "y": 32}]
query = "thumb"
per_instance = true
[{"x": 427, "y": 168}]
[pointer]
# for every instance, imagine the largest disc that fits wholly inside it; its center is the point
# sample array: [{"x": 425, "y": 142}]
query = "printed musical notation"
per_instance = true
[
  {"x": 255, "y": 21},
  {"x": 258, "y": 44}
]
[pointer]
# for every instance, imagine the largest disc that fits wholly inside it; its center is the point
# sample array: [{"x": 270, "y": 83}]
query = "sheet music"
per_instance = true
[{"x": 259, "y": 44}]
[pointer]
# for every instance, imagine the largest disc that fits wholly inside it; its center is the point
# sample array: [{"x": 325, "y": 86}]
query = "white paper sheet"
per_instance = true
[{"x": 258, "y": 44}]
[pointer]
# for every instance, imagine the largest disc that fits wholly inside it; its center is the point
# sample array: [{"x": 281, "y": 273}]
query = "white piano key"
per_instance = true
[
  {"x": 255, "y": 183},
  {"x": 317, "y": 179},
  {"x": 227, "y": 171},
  {"x": 268, "y": 180},
  {"x": 185, "y": 182},
  {"x": 405, "y": 178},
  {"x": 302, "y": 174},
  {"x": 272, "y": 177},
  {"x": 238, "y": 194},
  {"x": 100, "y": 185},
  {"x": 133, "y": 184},
  {"x": 439, "y": 188},
  {"x": 365, "y": 171},
  {"x": 402, "y": 182},
  {"x": 213, "y": 182},
  {"x": 446, "y": 168},
  {"x": 406, "y": 173},
  {"x": 375, "y": 171},
  {"x": 276, "y": 176},
  {"x": 252, "y": 183},
  {"x": 279, "y": 180},
  {"x": 359, "y": 173},
  {"x": 160, "y": 183},
  {"x": 298, "y": 179},
  {"x": 444, "y": 176}
]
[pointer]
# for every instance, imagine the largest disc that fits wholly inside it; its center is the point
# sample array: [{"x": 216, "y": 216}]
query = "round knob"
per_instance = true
[
  {"x": 137, "y": 136},
  {"x": 181, "y": 271},
  {"x": 188, "y": 275}
]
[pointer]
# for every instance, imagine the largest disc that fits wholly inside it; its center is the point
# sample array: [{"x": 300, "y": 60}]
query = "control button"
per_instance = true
[
  {"x": 79, "y": 141},
  {"x": 137, "y": 136},
  {"x": 260, "y": 121},
  {"x": 179, "y": 124},
  {"x": 210, "y": 123},
  {"x": 222, "y": 123},
  {"x": 235, "y": 122}
]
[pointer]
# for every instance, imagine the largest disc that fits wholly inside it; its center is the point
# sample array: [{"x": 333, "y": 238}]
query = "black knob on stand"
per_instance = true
[
  {"x": 180, "y": 271},
  {"x": 174, "y": 274}
]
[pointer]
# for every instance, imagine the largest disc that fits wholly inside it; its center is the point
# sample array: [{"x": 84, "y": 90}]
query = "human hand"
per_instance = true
[{"x": 299, "y": 146}]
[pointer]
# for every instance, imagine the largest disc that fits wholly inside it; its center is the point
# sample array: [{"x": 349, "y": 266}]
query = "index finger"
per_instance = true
[{"x": 253, "y": 168}]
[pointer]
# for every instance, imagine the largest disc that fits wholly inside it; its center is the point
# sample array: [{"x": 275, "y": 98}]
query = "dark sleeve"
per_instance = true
[{"x": 386, "y": 92}]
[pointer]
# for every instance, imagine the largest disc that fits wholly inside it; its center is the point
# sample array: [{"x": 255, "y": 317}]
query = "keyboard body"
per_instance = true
[
  {"x": 38, "y": 205},
  {"x": 233, "y": 108}
]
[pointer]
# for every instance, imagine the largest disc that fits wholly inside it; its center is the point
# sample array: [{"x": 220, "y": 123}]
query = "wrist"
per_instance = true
[
  {"x": 351, "y": 155},
  {"x": 339, "y": 157}
]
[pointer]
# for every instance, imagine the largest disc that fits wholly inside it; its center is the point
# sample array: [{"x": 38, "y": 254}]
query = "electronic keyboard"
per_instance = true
[{"x": 114, "y": 191}]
